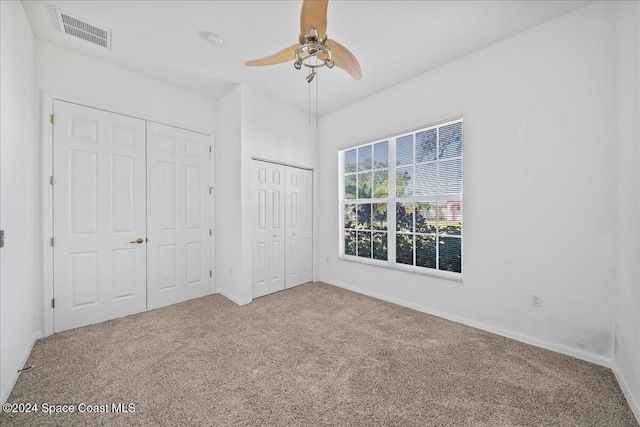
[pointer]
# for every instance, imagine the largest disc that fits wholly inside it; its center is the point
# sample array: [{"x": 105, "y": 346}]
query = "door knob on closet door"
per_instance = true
[{"x": 139, "y": 240}]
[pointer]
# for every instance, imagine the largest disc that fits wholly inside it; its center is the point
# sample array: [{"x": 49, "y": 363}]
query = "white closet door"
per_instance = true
[
  {"x": 178, "y": 215},
  {"x": 99, "y": 213},
  {"x": 299, "y": 226},
  {"x": 268, "y": 228}
]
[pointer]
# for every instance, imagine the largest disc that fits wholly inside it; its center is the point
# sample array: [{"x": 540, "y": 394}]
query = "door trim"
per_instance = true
[
  {"x": 291, "y": 165},
  {"x": 46, "y": 190}
]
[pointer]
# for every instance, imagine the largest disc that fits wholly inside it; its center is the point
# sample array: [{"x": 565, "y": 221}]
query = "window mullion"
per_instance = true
[
  {"x": 341, "y": 204},
  {"x": 415, "y": 253},
  {"x": 341, "y": 229},
  {"x": 391, "y": 205},
  {"x": 438, "y": 235},
  {"x": 438, "y": 201}
]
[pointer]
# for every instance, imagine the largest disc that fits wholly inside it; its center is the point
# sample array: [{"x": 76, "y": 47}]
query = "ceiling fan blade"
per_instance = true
[
  {"x": 314, "y": 14},
  {"x": 285, "y": 55},
  {"x": 344, "y": 59}
]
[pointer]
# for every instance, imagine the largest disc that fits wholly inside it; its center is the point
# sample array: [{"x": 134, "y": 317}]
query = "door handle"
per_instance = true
[{"x": 139, "y": 240}]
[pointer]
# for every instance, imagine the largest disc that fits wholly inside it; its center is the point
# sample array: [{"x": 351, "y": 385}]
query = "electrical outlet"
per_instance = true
[{"x": 536, "y": 300}]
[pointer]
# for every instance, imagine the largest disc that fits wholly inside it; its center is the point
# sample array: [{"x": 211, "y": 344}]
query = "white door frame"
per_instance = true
[{"x": 46, "y": 129}]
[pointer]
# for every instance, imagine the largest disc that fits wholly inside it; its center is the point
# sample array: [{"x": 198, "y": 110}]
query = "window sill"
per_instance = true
[{"x": 455, "y": 277}]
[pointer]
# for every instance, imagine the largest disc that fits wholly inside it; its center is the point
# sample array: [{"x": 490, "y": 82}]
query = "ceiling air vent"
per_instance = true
[{"x": 82, "y": 29}]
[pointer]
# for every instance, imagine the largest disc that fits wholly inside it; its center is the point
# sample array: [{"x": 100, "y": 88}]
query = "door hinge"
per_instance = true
[
  {"x": 53, "y": 303},
  {"x": 210, "y": 149},
  {"x": 210, "y": 232},
  {"x": 52, "y": 118},
  {"x": 210, "y": 273},
  {"x": 1, "y": 238},
  {"x": 51, "y": 180},
  {"x": 53, "y": 241},
  {"x": 210, "y": 190}
]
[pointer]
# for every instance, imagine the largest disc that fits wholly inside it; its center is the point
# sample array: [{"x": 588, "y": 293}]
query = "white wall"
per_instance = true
[
  {"x": 539, "y": 202},
  {"x": 276, "y": 131},
  {"x": 20, "y": 259},
  {"x": 228, "y": 267},
  {"x": 270, "y": 130},
  {"x": 67, "y": 73},
  {"x": 627, "y": 297}
]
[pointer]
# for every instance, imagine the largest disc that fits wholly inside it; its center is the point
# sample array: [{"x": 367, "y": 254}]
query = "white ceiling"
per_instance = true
[{"x": 393, "y": 40}]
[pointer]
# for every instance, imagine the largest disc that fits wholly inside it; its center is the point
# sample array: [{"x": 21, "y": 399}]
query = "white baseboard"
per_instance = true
[
  {"x": 238, "y": 301},
  {"x": 633, "y": 403},
  {"x": 23, "y": 360},
  {"x": 569, "y": 351}
]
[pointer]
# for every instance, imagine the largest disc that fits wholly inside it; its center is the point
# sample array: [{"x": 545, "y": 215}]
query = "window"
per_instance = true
[
  {"x": 401, "y": 201},
  {"x": 366, "y": 189}
]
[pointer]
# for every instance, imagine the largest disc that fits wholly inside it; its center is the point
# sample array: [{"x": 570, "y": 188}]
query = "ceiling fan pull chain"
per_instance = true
[{"x": 309, "y": 104}]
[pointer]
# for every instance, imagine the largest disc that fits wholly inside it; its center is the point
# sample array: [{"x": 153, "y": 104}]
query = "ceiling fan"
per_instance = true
[{"x": 314, "y": 44}]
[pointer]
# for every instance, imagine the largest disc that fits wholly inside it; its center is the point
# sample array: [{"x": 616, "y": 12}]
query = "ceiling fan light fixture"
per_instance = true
[{"x": 306, "y": 52}]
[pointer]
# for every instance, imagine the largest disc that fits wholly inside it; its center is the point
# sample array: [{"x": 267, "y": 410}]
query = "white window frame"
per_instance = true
[{"x": 391, "y": 201}]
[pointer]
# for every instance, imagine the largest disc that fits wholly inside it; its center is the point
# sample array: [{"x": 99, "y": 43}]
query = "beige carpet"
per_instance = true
[{"x": 312, "y": 355}]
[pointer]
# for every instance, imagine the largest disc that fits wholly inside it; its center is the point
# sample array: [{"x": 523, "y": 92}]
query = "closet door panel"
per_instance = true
[
  {"x": 268, "y": 228},
  {"x": 299, "y": 226}
]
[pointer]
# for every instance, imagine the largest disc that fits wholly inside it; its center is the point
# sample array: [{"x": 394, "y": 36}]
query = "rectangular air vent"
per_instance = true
[{"x": 82, "y": 29}]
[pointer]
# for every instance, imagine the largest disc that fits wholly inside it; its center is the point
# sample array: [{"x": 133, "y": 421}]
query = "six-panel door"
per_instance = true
[
  {"x": 178, "y": 215},
  {"x": 269, "y": 228},
  {"x": 99, "y": 213}
]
